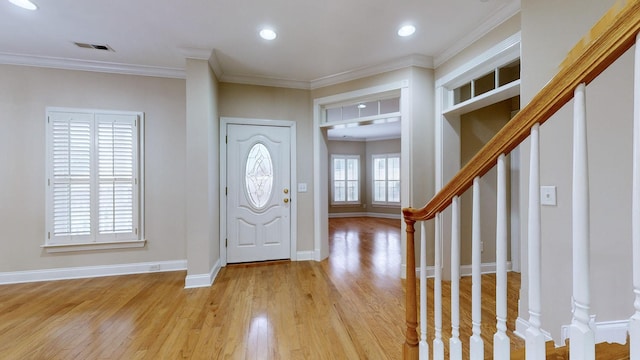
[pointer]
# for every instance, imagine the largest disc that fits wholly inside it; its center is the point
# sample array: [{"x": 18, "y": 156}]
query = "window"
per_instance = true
[
  {"x": 345, "y": 179},
  {"x": 386, "y": 179},
  {"x": 93, "y": 177}
]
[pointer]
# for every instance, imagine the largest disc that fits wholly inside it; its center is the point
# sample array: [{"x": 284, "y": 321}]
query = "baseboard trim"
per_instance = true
[
  {"x": 202, "y": 280},
  {"x": 521, "y": 330},
  {"x": 605, "y": 331},
  {"x": 305, "y": 255},
  {"x": 16, "y": 277},
  {"x": 465, "y": 270},
  {"x": 365, "y": 214}
]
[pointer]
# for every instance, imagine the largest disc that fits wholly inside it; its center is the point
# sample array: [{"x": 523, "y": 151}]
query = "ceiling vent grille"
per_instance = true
[{"x": 104, "y": 47}]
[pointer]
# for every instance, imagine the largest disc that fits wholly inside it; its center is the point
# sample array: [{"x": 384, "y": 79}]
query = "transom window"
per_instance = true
[
  {"x": 345, "y": 174},
  {"x": 386, "y": 179},
  {"x": 93, "y": 168}
]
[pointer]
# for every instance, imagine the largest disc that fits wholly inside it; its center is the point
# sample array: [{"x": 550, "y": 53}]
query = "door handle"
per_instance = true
[{"x": 286, "y": 200}]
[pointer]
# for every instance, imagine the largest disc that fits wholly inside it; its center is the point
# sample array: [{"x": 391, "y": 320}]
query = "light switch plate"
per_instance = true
[
  {"x": 548, "y": 195},
  {"x": 302, "y": 187}
]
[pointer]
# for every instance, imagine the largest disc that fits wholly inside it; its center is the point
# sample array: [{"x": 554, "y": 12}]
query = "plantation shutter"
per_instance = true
[
  {"x": 93, "y": 177},
  {"x": 70, "y": 181},
  {"x": 116, "y": 135}
]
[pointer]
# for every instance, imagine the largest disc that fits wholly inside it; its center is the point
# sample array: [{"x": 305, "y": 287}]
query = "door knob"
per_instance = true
[
  {"x": 286, "y": 191},
  {"x": 286, "y": 200}
]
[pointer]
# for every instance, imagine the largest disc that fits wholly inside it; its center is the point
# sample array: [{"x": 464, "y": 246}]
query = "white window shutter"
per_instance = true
[
  {"x": 70, "y": 176},
  {"x": 117, "y": 195}
]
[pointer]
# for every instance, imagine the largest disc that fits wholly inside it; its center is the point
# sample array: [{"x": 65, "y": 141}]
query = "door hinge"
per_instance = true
[
  {"x": 226, "y": 242},
  {"x": 226, "y": 190}
]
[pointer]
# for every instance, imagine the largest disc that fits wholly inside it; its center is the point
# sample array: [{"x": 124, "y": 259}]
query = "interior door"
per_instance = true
[{"x": 258, "y": 193}]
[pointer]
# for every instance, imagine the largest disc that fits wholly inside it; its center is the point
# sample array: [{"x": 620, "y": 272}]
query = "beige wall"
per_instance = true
[
  {"x": 263, "y": 102},
  {"x": 476, "y": 129},
  {"x": 202, "y": 168},
  {"x": 366, "y": 149},
  {"x": 549, "y": 30},
  {"x": 25, "y": 92}
]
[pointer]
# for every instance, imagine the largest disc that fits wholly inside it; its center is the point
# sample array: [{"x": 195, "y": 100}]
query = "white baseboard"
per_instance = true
[
  {"x": 15, "y": 277},
  {"x": 202, "y": 280},
  {"x": 397, "y": 216},
  {"x": 604, "y": 331},
  {"x": 521, "y": 330},
  {"x": 465, "y": 270},
  {"x": 305, "y": 255}
]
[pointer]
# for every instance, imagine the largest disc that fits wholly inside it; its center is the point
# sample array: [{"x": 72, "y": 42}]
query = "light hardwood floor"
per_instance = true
[{"x": 350, "y": 306}]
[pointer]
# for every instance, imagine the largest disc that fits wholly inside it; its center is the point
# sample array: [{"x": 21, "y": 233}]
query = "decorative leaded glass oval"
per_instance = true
[{"x": 259, "y": 175}]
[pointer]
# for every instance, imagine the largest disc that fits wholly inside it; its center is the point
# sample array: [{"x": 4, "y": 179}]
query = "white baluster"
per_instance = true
[
  {"x": 582, "y": 339},
  {"x": 424, "y": 346},
  {"x": 438, "y": 344},
  {"x": 535, "y": 349},
  {"x": 501, "y": 345},
  {"x": 476, "y": 346},
  {"x": 455, "y": 345},
  {"x": 634, "y": 322}
]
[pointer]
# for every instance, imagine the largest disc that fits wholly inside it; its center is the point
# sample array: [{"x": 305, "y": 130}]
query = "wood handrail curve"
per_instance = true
[{"x": 607, "y": 40}]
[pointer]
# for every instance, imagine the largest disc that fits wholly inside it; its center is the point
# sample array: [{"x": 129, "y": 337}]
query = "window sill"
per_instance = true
[{"x": 57, "y": 248}]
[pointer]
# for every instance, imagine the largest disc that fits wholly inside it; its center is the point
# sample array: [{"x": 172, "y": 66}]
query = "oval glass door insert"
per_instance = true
[{"x": 259, "y": 175}]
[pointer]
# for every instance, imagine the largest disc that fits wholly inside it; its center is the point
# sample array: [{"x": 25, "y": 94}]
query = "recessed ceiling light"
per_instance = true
[
  {"x": 268, "y": 34},
  {"x": 406, "y": 30},
  {"x": 361, "y": 106},
  {"x": 25, "y": 4}
]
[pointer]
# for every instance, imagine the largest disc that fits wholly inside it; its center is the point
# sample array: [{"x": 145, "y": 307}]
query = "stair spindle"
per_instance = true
[
  {"x": 476, "y": 345},
  {"x": 438, "y": 344},
  {"x": 455, "y": 345},
  {"x": 581, "y": 335},
  {"x": 534, "y": 339},
  {"x": 501, "y": 342},
  {"x": 634, "y": 322},
  {"x": 424, "y": 346}
]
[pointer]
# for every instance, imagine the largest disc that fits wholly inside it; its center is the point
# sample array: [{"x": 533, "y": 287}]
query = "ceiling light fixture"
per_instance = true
[
  {"x": 268, "y": 34},
  {"x": 25, "y": 4},
  {"x": 406, "y": 30},
  {"x": 361, "y": 106}
]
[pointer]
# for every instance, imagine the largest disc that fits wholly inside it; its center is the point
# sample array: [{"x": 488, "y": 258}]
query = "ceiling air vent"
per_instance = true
[{"x": 94, "y": 46}]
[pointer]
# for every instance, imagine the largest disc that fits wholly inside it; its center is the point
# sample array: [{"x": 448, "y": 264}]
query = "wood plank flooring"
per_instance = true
[{"x": 350, "y": 306}]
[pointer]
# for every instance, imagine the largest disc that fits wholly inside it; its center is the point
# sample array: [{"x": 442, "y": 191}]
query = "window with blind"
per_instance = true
[
  {"x": 386, "y": 179},
  {"x": 93, "y": 182},
  {"x": 345, "y": 178}
]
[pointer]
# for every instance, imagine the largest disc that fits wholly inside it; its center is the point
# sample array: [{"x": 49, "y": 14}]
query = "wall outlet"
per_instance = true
[{"x": 154, "y": 267}]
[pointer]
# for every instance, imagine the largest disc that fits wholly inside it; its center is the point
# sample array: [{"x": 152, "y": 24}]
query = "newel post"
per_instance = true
[{"x": 411, "y": 350}]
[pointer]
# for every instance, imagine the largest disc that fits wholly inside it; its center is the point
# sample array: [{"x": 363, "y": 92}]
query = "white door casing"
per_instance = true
[{"x": 258, "y": 188}]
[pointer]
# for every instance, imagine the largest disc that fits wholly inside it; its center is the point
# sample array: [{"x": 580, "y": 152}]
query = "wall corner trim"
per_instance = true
[
  {"x": 202, "y": 280},
  {"x": 305, "y": 255}
]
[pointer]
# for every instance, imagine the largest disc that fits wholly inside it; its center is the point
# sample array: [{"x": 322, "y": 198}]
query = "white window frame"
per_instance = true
[
  {"x": 386, "y": 180},
  {"x": 94, "y": 240},
  {"x": 346, "y": 180}
]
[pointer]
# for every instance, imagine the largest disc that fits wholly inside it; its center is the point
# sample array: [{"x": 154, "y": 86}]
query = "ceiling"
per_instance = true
[{"x": 318, "y": 43}]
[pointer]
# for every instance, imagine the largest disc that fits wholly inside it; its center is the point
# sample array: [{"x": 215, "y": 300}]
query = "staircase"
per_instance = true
[{"x": 611, "y": 37}]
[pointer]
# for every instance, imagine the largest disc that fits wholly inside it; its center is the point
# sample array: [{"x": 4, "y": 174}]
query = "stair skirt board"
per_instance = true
[
  {"x": 605, "y": 331},
  {"x": 16, "y": 277}
]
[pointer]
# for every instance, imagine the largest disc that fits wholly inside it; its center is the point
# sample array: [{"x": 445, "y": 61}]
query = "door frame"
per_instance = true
[{"x": 224, "y": 121}]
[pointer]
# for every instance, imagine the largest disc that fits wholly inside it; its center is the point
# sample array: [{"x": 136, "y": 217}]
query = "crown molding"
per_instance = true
[
  {"x": 399, "y": 63},
  {"x": 264, "y": 81},
  {"x": 89, "y": 65},
  {"x": 493, "y": 21}
]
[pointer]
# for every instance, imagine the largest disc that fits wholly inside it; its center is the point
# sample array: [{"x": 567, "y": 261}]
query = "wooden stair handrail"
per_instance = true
[{"x": 607, "y": 40}]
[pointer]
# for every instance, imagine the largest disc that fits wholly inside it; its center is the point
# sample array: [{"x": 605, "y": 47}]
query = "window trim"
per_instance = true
[
  {"x": 94, "y": 243},
  {"x": 332, "y": 176},
  {"x": 386, "y": 180}
]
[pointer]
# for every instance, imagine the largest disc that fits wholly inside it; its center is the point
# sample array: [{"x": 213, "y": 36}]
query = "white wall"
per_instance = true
[
  {"x": 25, "y": 92},
  {"x": 549, "y": 30}
]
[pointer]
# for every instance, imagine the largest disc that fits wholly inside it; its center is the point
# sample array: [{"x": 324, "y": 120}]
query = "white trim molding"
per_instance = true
[
  {"x": 202, "y": 280},
  {"x": 90, "y": 65},
  {"x": 605, "y": 331},
  {"x": 397, "y": 216},
  {"x": 465, "y": 270},
  {"x": 305, "y": 255},
  {"x": 27, "y": 276}
]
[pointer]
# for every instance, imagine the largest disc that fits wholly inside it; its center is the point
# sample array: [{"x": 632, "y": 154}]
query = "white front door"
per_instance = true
[{"x": 258, "y": 193}]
